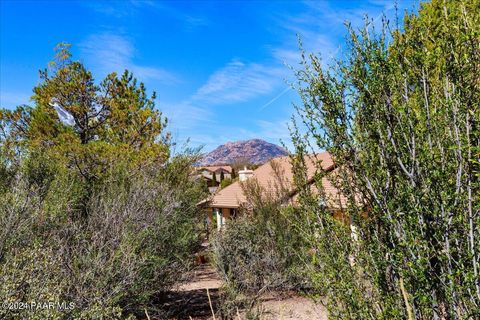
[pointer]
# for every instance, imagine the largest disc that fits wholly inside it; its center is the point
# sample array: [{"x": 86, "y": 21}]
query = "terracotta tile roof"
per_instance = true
[
  {"x": 215, "y": 168},
  {"x": 267, "y": 177}
]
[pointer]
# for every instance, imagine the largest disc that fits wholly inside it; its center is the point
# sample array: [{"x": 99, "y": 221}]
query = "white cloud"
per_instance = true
[
  {"x": 189, "y": 21},
  {"x": 10, "y": 100},
  {"x": 312, "y": 42},
  {"x": 108, "y": 52},
  {"x": 275, "y": 131},
  {"x": 185, "y": 115},
  {"x": 318, "y": 27},
  {"x": 118, "y": 9},
  {"x": 321, "y": 27},
  {"x": 115, "y": 9},
  {"x": 128, "y": 8},
  {"x": 191, "y": 123},
  {"x": 238, "y": 82}
]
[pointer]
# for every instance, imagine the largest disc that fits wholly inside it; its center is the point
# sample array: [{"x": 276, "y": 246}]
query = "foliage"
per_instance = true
[
  {"x": 84, "y": 127},
  {"x": 139, "y": 233},
  {"x": 225, "y": 183},
  {"x": 258, "y": 251},
  {"x": 241, "y": 163},
  {"x": 235, "y": 304},
  {"x": 95, "y": 212},
  {"x": 400, "y": 115},
  {"x": 255, "y": 253}
]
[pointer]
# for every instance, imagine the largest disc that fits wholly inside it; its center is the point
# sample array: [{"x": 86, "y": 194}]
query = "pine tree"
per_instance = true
[
  {"x": 87, "y": 128},
  {"x": 81, "y": 122}
]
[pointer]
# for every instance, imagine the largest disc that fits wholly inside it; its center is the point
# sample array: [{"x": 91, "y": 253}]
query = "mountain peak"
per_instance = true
[{"x": 255, "y": 151}]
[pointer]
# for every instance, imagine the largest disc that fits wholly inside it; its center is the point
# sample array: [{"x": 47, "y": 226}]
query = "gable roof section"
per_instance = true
[
  {"x": 233, "y": 196},
  {"x": 216, "y": 168}
]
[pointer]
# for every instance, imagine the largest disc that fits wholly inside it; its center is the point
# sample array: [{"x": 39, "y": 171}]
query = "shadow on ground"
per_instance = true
[
  {"x": 189, "y": 299},
  {"x": 192, "y": 304}
]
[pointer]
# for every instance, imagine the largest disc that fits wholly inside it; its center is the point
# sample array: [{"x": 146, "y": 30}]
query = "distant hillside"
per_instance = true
[{"x": 255, "y": 151}]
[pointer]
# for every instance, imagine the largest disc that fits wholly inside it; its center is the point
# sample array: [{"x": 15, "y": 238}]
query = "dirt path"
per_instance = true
[
  {"x": 190, "y": 299},
  {"x": 292, "y": 307},
  {"x": 204, "y": 276}
]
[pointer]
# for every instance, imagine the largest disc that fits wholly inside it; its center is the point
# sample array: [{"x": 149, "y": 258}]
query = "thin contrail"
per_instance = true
[{"x": 274, "y": 99}]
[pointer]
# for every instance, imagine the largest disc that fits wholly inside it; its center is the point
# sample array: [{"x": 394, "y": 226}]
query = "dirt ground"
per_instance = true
[
  {"x": 291, "y": 307},
  {"x": 190, "y": 300},
  {"x": 202, "y": 277}
]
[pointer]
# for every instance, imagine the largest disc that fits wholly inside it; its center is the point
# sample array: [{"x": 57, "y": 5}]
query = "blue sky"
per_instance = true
[{"x": 218, "y": 67}]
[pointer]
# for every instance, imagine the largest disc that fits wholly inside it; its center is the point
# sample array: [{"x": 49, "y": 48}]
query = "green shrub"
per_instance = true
[
  {"x": 400, "y": 115},
  {"x": 259, "y": 251},
  {"x": 96, "y": 213},
  {"x": 225, "y": 183},
  {"x": 139, "y": 234}
]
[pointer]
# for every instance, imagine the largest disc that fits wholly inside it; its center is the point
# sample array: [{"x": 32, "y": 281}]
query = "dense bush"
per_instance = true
[
  {"x": 252, "y": 256},
  {"x": 225, "y": 183},
  {"x": 138, "y": 236},
  {"x": 401, "y": 116},
  {"x": 260, "y": 251},
  {"x": 95, "y": 214}
]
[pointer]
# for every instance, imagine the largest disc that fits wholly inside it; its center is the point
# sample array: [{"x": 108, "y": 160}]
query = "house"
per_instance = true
[
  {"x": 276, "y": 178},
  {"x": 213, "y": 175}
]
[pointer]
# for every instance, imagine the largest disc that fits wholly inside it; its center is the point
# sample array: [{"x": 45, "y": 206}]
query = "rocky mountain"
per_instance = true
[{"x": 255, "y": 151}]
